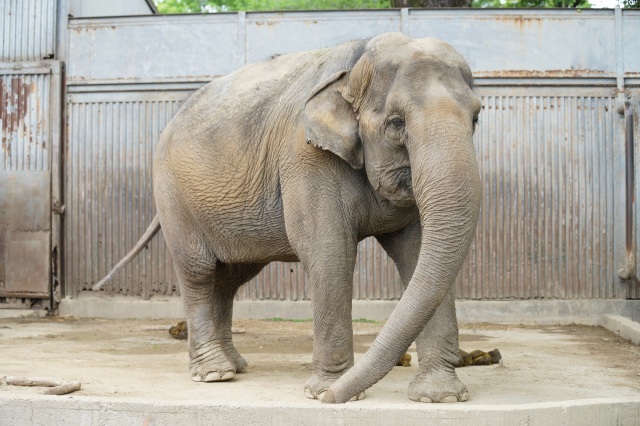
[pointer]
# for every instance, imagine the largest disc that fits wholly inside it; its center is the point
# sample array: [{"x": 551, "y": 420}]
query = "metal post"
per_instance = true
[
  {"x": 404, "y": 21},
  {"x": 242, "y": 38},
  {"x": 629, "y": 271}
]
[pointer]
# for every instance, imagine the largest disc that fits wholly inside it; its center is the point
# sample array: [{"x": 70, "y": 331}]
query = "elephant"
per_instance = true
[{"x": 300, "y": 157}]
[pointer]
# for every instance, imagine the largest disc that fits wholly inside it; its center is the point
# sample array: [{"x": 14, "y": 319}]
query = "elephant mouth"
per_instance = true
[{"x": 396, "y": 186}]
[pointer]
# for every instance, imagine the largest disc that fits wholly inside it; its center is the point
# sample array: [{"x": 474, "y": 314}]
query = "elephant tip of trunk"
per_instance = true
[
  {"x": 98, "y": 286},
  {"x": 329, "y": 397}
]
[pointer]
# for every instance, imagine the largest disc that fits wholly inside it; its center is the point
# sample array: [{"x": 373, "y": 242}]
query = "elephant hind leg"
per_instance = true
[
  {"x": 232, "y": 276},
  {"x": 208, "y": 300},
  {"x": 438, "y": 352}
]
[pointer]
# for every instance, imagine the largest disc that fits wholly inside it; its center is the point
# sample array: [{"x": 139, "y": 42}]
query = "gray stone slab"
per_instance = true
[
  {"x": 133, "y": 372},
  {"x": 623, "y": 327}
]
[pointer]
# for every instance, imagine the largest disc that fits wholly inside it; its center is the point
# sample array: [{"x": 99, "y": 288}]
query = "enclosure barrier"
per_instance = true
[{"x": 555, "y": 219}]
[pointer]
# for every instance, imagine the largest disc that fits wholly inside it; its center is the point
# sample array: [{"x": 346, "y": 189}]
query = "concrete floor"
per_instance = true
[{"x": 133, "y": 372}]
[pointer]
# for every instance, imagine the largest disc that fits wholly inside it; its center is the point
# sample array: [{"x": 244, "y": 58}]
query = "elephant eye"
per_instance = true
[
  {"x": 475, "y": 121},
  {"x": 397, "y": 122}
]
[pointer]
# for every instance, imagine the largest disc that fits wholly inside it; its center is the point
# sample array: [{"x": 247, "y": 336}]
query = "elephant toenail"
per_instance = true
[
  {"x": 214, "y": 376},
  {"x": 425, "y": 399},
  {"x": 228, "y": 375},
  {"x": 464, "y": 396},
  {"x": 358, "y": 397},
  {"x": 449, "y": 398},
  {"x": 308, "y": 394}
]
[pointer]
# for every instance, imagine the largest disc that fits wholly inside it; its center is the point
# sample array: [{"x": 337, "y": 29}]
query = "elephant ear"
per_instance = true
[{"x": 330, "y": 122}]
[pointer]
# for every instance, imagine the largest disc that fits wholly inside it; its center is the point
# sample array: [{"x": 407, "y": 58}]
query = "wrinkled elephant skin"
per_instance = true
[{"x": 300, "y": 157}]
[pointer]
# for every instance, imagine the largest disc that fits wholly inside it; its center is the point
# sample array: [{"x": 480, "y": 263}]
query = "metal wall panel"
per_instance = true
[
  {"x": 24, "y": 101},
  {"x": 313, "y": 30},
  {"x": 28, "y": 114},
  {"x": 153, "y": 49},
  {"x": 547, "y": 162},
  {"x": 548, "y": 166},
  {"x": 631, "y": 39},
  {"x": 634, "y": 287},
  {"x": 549, "y": 142},
  {"x": 28, "y": 29},
  {"x": 109, "y": 192},
  {"x": 532, "y": 43}
]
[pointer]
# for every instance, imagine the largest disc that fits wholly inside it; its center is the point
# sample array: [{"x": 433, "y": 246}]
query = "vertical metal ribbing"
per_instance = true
[
  {"x": 28, "y": 29},
  {"x": 547, "y": 169},
  {"x": 25, "y": 121},
  {"x": 109, "y": 196},
  {"x": 633, "y": 290},
  {"x": 545, "y": 162}
]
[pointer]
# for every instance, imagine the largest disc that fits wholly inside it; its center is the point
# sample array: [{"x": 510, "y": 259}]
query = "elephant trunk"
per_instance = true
[{"x": 446, "y": 186}]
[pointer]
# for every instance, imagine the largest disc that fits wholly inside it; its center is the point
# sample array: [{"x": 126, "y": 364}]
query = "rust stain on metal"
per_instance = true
[
  {"x": 14, "y": 106},
  {"x": 268, "y": 23},
  {"x": 568, "y": 73},
  {"x": 519, "y": 21}
]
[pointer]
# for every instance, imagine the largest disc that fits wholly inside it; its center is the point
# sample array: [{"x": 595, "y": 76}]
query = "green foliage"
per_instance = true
[
  {"x": 204, "y": 6},
  {"x": 278, "y": 319},
  {"x": 366, "y": 321},
  {"x": 178, "y": 6},
  {"x": 199, "y": 6},
  {"x": 209, "y": 6},
  {"x": 582, "y": 4}
]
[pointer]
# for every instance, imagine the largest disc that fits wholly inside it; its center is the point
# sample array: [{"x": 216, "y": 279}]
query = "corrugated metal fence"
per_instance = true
[
  {"x": 28, "y": 30},
  {"x": 30, "y": 119},
  {"x": 550, "y": 141}
]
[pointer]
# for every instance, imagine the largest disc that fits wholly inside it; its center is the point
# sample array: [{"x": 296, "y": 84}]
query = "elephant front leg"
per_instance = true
[
  {"x": 438, "y": 352},
  {"x": 437, "y": 344},
  {"x": 333, "y": 331},
  {"x": 326, "y": 242},
  {"x": 329, "y": 260}
]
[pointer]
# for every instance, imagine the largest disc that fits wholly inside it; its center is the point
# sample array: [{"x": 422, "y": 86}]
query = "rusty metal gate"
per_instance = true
[{"x": 30, "y": 179}]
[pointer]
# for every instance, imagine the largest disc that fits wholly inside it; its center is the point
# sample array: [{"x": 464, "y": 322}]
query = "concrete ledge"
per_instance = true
[
  {"x": 545, "y": 312},
  {"x": 529, "y": 312},
  {"x": 623, "y": 327},
  {"x": 121, "y": 307},
  {"x": 70, "y": 410}
]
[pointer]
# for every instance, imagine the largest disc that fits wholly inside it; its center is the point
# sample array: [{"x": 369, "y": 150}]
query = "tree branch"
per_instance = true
[{"x": 58, "y": 386}]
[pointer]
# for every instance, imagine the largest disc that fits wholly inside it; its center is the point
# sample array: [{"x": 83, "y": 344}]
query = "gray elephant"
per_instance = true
[{"x": 300, "y": 157}]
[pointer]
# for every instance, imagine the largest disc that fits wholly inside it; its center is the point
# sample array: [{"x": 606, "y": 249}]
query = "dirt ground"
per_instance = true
[{"x": 139, "y": 359}]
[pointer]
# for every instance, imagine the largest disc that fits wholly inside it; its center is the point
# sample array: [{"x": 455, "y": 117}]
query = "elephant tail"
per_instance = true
[{"x": 151, "y": 231}]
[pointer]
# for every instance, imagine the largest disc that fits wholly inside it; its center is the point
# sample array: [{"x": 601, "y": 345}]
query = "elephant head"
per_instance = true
[{"x": 406, "y": 112}]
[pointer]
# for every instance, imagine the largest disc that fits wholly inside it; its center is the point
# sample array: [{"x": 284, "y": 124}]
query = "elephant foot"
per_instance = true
[
  {"x": 238, "y": 360},
  {"x": 217, "y": 366},
  {"x": 437, "y": 386},
  {"x": 316, "y": 388}
]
